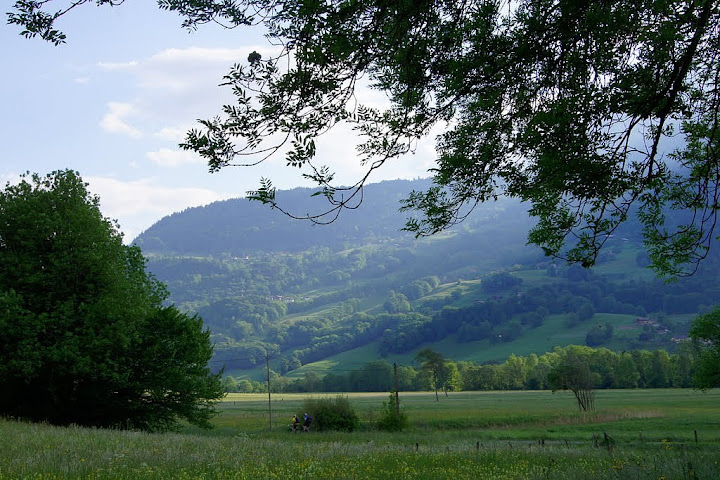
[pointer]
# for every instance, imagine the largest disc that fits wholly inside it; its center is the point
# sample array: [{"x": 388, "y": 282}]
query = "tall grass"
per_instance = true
[{"x": 522, "y": 435}]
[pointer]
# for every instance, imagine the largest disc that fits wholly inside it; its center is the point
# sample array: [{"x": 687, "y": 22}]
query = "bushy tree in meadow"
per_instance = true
[
  {"x": 393, "y": 417},
  {"x": 86, "y": 338},
  {"x": 598, "y": 335},
  {"x": 332, "y": 413}
]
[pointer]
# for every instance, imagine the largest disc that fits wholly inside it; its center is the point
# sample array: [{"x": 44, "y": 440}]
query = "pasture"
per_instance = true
[{"x": 633, "y": 434}]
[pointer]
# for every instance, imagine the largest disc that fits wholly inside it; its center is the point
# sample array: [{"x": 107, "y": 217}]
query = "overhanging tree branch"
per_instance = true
[{"x": 593, "y": 113}]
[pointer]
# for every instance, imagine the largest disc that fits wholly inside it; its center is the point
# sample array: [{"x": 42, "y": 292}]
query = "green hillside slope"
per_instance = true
[{"x": 332, "y": 298}]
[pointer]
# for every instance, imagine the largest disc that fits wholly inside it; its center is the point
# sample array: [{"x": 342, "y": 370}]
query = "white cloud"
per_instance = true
[
  {"x": 118, "y": 65},
  {"x": 175, "y": 134},
  {"x": 170, "y": 90},
  {"x": 174, "y": 87},
  {"x": 200, "y": 54},
  {"x": 114, "y": 120},
  {"x": 166, "y": 157},
  {"x": 337, "y": 150},
  {"x": 138, "y": 204},
  {"x": 176, "y": 70}
]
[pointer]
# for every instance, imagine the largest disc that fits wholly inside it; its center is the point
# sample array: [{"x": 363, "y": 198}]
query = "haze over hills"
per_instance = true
[
  {"x": 239, "y": 226},
  {"x": 341, "y": 295}
]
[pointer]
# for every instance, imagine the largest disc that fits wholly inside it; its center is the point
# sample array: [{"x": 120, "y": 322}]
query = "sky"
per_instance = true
[{"x": 115, "y": 100}]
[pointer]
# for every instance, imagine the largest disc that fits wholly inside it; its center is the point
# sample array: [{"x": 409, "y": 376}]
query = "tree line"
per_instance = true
[{"x": 608, "y": 370}]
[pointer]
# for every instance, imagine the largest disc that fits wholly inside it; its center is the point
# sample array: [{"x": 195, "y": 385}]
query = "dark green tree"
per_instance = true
[
  {"x": 86, "y": 338},
  {"x": 397, "y": 303},
  {"x": 393, "y": 417},
  {"x": 593, "y": 112},
  {"x": 585, "y": 312},
  {"x": 705, "y": 331},
  {"x": 626, "y": 374},
  {"x": 332, "y": 414},
  {"x": 375, "y": 376},
  {"x": 598, "y": 335}
]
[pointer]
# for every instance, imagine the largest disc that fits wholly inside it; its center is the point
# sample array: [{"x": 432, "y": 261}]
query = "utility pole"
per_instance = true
[
  {"x": 397, "y": 397},
  {"x": 267, "y": 365}
]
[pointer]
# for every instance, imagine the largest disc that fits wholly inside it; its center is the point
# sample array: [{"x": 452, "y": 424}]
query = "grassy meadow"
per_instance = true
[{"x": 633, "y": 434}]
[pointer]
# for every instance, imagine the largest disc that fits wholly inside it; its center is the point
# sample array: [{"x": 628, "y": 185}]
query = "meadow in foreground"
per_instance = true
[{"x": 638, "y": 434}]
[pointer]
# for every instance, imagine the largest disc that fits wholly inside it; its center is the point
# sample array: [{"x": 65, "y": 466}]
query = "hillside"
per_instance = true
[{"x": 334, "y": 297}]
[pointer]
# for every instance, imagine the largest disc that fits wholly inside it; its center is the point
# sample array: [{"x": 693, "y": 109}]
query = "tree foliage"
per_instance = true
[
  {"x": 599, "y": 334},
  {"x": 393, "y": 417},
  {"x": 547, "y": 371},
  {"x": 332, "y": 414},
  {"x": 228, "y": 294},
  {"x": 706, "y": 330},
  {"x": 86, "y": 338},
  {"x": 584, "y": 109}
]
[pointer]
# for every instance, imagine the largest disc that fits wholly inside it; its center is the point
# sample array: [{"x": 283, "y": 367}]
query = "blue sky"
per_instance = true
[{"x": 115, "y": 100}]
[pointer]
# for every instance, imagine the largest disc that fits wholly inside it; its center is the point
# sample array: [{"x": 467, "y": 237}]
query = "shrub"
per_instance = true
[
  {"x": 332, "y": 414},
  {"x": 392, "y": 419}
]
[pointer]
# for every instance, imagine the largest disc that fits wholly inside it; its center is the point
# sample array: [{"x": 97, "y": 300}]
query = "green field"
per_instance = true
[{"x": 633, "y": 434}]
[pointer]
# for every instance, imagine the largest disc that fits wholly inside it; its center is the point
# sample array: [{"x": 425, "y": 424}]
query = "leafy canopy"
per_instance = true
[
  {"x": 706, "y": 331},
  {"x": 86, "y": 339},
  {"x": 590, "y": 111}
]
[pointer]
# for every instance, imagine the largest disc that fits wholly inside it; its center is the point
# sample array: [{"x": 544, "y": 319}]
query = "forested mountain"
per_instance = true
[
  {"x": 360, "y": 289},
  {"x": 241, "y": 227}
]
